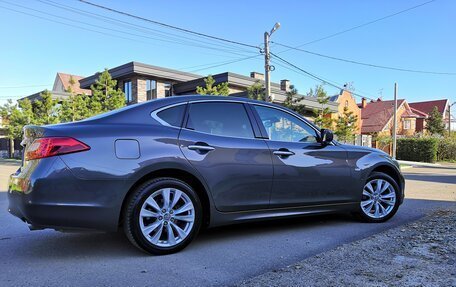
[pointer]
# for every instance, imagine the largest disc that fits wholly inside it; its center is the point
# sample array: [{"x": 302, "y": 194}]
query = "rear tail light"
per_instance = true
[{"x": 52, "y": 146}]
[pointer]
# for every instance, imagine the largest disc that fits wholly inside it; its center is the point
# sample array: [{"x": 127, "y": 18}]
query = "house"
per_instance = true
[
  {"x": 377, "y": 120},
  {"x": 142, "y": 82},
  {"x": 345, "y": 99},
  {"x": 425, "y": 108},
  {"x": 61, "y": 87}
]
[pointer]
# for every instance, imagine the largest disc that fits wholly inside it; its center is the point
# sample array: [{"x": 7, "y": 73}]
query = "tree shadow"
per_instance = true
[{"x": 431, "y": 177}]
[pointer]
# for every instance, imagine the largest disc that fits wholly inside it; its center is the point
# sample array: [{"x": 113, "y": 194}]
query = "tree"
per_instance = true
[
  {"x": 346, "y": 126},
  {"x": 293, "y": 101},
  {"x": 45, "y": 111},
  {"x": 435, "y": 124},
  {"x": 105, "y": 97},
  {"x": 257, "y": 92},
  {"x": 323, "y": 115},
  {"x": 218, "y": 90},
  {"x": 74, "y": 108}
]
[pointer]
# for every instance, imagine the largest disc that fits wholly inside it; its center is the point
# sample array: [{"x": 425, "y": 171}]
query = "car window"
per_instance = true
[
  {"x": 217, "y": 118},
  {"x": 282, "y": 126},
  {"x": 172, "y": 116}
]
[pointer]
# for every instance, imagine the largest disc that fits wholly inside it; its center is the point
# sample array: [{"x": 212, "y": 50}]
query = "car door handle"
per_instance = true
[
  {"x": 283, "y": 152},
  {"x": 200, "y": 147}
]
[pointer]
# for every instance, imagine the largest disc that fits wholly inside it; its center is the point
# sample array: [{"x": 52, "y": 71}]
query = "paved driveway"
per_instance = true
[{"x": 218, "y": 256}]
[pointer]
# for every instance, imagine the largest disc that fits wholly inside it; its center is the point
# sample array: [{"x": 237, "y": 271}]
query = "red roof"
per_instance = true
[
  {"x": 409, "y": 114},
  {"x": 376, "y": 115},
  {"x": 65, "y": 79},
  {"x": 419, "y": 113},
  {"x": 428, "y": 106}
]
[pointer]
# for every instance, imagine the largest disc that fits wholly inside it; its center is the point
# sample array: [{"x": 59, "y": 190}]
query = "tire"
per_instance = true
[
  {"x": 155, "y": 223},
  {"x": 386, "y": 202}
]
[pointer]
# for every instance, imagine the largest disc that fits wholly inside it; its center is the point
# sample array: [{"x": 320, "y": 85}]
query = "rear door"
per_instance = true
[
  {"x": 219, "y": 140},
  {"x": 305, "y": 172}
]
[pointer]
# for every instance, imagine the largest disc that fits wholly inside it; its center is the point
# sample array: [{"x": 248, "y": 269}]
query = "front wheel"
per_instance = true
[
  {"x": 162, "y": 216},
  {"x": 380, "y": 198}
]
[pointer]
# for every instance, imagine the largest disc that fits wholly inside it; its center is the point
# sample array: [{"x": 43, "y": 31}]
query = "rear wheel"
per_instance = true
[
  {"x": 380, "y": 198},
  {"x": 162, "y": 216}
]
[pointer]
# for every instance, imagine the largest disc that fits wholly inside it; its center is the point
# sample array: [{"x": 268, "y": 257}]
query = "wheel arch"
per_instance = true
[
  {"x": 393, "y": 173},
  {"x": 176, "y": 173}
]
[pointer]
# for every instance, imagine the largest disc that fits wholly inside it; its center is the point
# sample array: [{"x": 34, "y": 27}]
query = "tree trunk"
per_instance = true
[{"x": 11, "y": 148}]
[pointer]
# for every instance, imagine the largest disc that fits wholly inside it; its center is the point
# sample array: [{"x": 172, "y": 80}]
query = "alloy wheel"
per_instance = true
[
  {"x": 378, "y": 199},
  {"x": 167, "y": 217}
]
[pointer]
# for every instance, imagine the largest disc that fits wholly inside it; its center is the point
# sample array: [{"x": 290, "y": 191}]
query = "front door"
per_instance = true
[
  {"x": 219, "y": 141},
  {"x": 305, "y": 172}
]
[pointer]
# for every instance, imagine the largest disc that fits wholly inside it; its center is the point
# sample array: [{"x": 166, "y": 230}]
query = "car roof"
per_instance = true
[{"x": 191, "y": 98}]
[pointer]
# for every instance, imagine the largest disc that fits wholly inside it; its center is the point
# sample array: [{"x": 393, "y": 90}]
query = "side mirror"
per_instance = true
[{"x": 326, "y": 136}]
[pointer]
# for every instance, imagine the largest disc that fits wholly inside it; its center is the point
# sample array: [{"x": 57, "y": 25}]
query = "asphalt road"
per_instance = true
[{"x": 221, "y": 256}]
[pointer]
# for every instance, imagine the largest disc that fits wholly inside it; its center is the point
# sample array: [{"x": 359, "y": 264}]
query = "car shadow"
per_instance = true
[{"x": 52, "y": 245}]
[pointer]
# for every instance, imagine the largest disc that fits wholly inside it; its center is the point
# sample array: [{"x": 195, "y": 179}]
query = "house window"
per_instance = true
[
  {"x": 168, "y": 89},
  {"x": 127, "y": 91},
  {"x": 151, "y": 89},
  {"x": 346, "y": 104},
  {"x": 407, "y": 124}
]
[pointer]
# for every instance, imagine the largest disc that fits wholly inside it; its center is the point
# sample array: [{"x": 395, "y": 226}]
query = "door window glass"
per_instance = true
[
  {"x": 282, "y": 126},
  {"x": 224, "y": 119}
]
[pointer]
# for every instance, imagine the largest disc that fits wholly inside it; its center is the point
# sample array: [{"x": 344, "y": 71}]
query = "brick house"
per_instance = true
[
  {"x": 142, "y": 82},
  {"x": 377, "y": 120},
  {"x": 424, "y": 109},
  {"x": 345, "y": 99}
]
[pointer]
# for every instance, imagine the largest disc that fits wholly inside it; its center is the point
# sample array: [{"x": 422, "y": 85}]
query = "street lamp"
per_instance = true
[{"x": 267, "y": 57}]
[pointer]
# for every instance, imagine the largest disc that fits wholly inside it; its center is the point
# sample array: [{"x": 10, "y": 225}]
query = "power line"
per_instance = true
[
  {"x": 27, "y": 86},
  {"x": 168, "y": 26},
  {"x": 224, "y": 64},
  {"x": 315, "y": 77},
  {"x": 362, "y": 25},
  {"x": 365, "y": 64},
  {"x": 134, "y": 26},
  {"x": 108, "y": 29}
]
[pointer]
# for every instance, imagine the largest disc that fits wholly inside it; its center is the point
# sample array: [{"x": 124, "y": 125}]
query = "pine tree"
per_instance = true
[
  {"x": 323, "y": 115},
  {"x": 257, "y": 92},
  {"x": 46, "y": 110},
  {"x": 105, "y": 97},
  {"x": 435, "y": 124},
  {"x": 74, "y": 108},
  {"x": 221, "y": 89},
  {"x": 346, "y": 126},
  {"x": 293, "y": 101}
]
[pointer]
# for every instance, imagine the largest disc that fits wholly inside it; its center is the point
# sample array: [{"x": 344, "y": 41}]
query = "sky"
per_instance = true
[{"x": 33, "y": 49}]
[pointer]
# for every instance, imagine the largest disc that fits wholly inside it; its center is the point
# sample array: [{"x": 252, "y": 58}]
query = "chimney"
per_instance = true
[
  {"x": 285, "y": 85},
  {"x": 256, "y": 75},
  {"x": 363, "y": 103}
]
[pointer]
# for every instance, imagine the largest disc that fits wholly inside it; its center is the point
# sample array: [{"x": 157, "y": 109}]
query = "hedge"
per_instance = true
[
  {"x": 446, "y": 150},
  {"x": 417, "y": 149}
]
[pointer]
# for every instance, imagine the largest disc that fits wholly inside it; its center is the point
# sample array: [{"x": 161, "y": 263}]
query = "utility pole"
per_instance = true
[
  {"x": 395, "y": 120},
  {"x": 267, "y": 57},
  {"x": 449, "y": 118}
]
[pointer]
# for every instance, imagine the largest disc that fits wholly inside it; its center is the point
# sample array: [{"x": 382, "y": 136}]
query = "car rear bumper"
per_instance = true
[{"x": 45, "y": 194}]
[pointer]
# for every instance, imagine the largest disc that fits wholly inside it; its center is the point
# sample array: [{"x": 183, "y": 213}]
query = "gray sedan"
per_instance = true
[{"x": 163, "y": 169}]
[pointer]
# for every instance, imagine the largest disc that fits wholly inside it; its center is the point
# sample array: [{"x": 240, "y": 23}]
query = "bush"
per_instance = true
[
  {"x": 417, "y": 149},
  {"x": 446, "y": 150}
]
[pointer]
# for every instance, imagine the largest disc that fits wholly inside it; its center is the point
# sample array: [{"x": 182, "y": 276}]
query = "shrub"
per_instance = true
[
  {"x": 417, "y": 149},
  {"x": 446, "y": 150}
]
